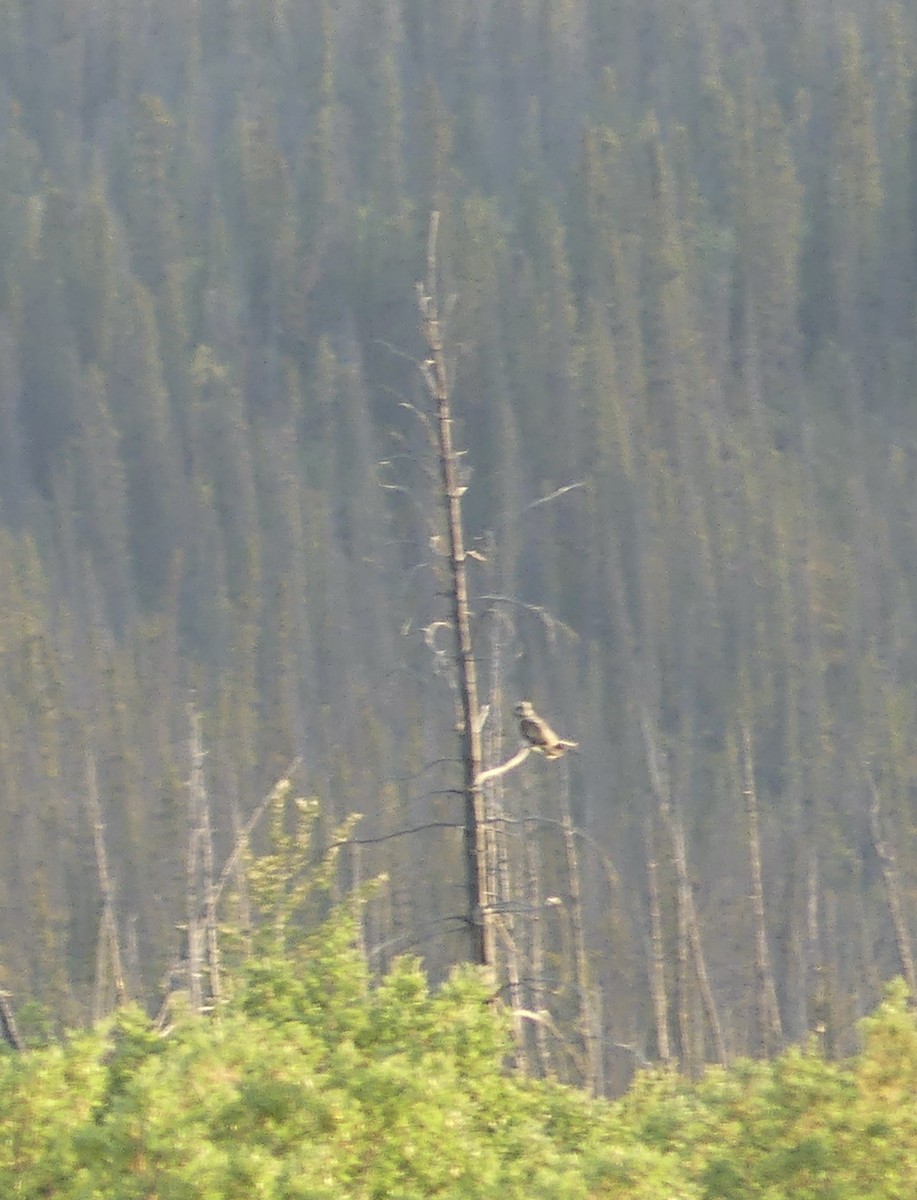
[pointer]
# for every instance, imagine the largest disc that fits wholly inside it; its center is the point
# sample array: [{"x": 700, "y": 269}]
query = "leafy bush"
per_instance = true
[{"x": 312, "y": 1084}]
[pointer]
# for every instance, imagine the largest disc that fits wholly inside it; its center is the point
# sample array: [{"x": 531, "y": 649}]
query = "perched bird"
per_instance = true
[{"x": 539, "y": 734}]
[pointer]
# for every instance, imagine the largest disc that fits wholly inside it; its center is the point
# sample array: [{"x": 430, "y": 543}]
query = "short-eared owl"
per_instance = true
[{"x": 539, "y": 734}]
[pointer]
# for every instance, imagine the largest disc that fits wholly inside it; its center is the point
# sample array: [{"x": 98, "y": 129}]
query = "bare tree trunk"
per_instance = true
[
  {"x": 243, "y": 898},
  {"x": 700, "y": 962},
  {"x": 504, "y": 897},
  {"x": 132, "y": 951},
  {"x": 686, "y": 1034},
  {"x": 436, "y": 377},
  {"x": 595, "y": 1074},
  {"x": 888, "y": 859},
  {"x": 498, "y": 837},
  {"x": 213, "y": 943},
  {"x": 8, "y": 1029},
  {"x": 535, "y": 901},
  {"x": 770, "y": 1028},
  {"x": 194, "y": 948},
  {"x": 108, "y": 930},
  {"x": 640, "y": 677},
  {"x": 504, "y": 927},
  {"x": 683, "y": 879},
  {"x": 356, "y": 880},
  {"x": 798, "y": 853},
  {"x": 200, "y": 814},
  {"x": 812, "y": 713},
  {"x": 657, "y": 947},
  {"x": 233, "y": 864},
  {"x": 814, "y": 967}
]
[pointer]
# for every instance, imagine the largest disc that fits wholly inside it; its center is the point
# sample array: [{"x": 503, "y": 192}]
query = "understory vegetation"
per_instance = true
[
  {"x": 311, "y": 1083},
  {"x": 313, "y": 1079}
]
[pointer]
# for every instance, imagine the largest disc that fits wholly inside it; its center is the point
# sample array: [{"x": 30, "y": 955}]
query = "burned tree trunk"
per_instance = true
[
  {"x": 8, "y": 1029},
  {"x": 894, "y": 893},
  {"x": 436, "y": 377},
  {"x": 771, "y": 1029},
  {"x": 657, "y": 946},
  {"x": 595, "y": 1066},
  {"x": 688, "y": 920},
  {"x": 202, "y": 846},
  {"x": 109, "y": 950}
]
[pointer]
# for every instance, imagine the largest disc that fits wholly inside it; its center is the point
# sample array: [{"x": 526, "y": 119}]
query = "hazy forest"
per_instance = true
[{"x": 678, "y": 264}]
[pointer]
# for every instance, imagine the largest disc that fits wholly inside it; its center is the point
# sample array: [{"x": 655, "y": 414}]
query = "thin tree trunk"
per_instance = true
[
  {"x": 200, "y": 812},
  {"x": 686, "y": 1033},
  {"x": 657, "y": 947},
  {"x": 888, "y": 860},
  {"x": 356, "y": 878},
  {"x": 812, "y": 714},
  {"x": 700, "y": 963},
  {"x": 436, "y": 377},
  {"x": 98, "y": 996},
  {"x": 194, "y": 948},
  {"x": 108, "y": 930},
  {"x": 536, "y": 953},
  {"x": 8, "y": 1029},
  {"x": 595, "y": 1080},
  {"x": 498, "y": 836},
  {"x": 243, "y": 898},
  {"x": 132, "y": 949},
  {"x": 770, "y": 1028},
  {"x": 233, "y": 864},
  {"x": 683, "y": 879},
  {"x": 814, "y": 967},
  {"x": 504, "y": 897},
  {"x": 639, "y": 675}
]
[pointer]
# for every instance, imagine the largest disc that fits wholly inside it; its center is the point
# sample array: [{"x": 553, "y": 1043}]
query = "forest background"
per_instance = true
[{"x": 682, "y": 245}]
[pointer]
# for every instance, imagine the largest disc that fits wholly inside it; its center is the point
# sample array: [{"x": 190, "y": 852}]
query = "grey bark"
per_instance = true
[
  {"x": 771, "y": 1028},
  {"x": 109, "y": 950},
  {"x": 436, "y": 376}
]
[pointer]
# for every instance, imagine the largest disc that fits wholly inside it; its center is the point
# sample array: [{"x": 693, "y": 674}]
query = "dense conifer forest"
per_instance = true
[{"x": 678, "y": 255}]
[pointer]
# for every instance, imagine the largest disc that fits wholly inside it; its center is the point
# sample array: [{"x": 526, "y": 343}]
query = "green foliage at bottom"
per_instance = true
[
  {"x": 798, "y": 1127},
  {"x": 311, "y": 1084}
]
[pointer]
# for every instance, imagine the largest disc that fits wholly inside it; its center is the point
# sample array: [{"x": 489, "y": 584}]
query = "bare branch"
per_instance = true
[
  {"x": 888, "y": 860},
  {"x": 550, "y": 622},
  {"x": 425, "y": 934},
  {"x": 561, "y": 491},
  {"x": 395, "y": 350},
  {"x": 248, "y": 829},
  {"x": 492, "y": 772},
  {"x": 387, "y": 837}
]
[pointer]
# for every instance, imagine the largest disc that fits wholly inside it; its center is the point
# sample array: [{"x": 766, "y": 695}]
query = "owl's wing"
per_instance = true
[{"x": 535, "y": 731}]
